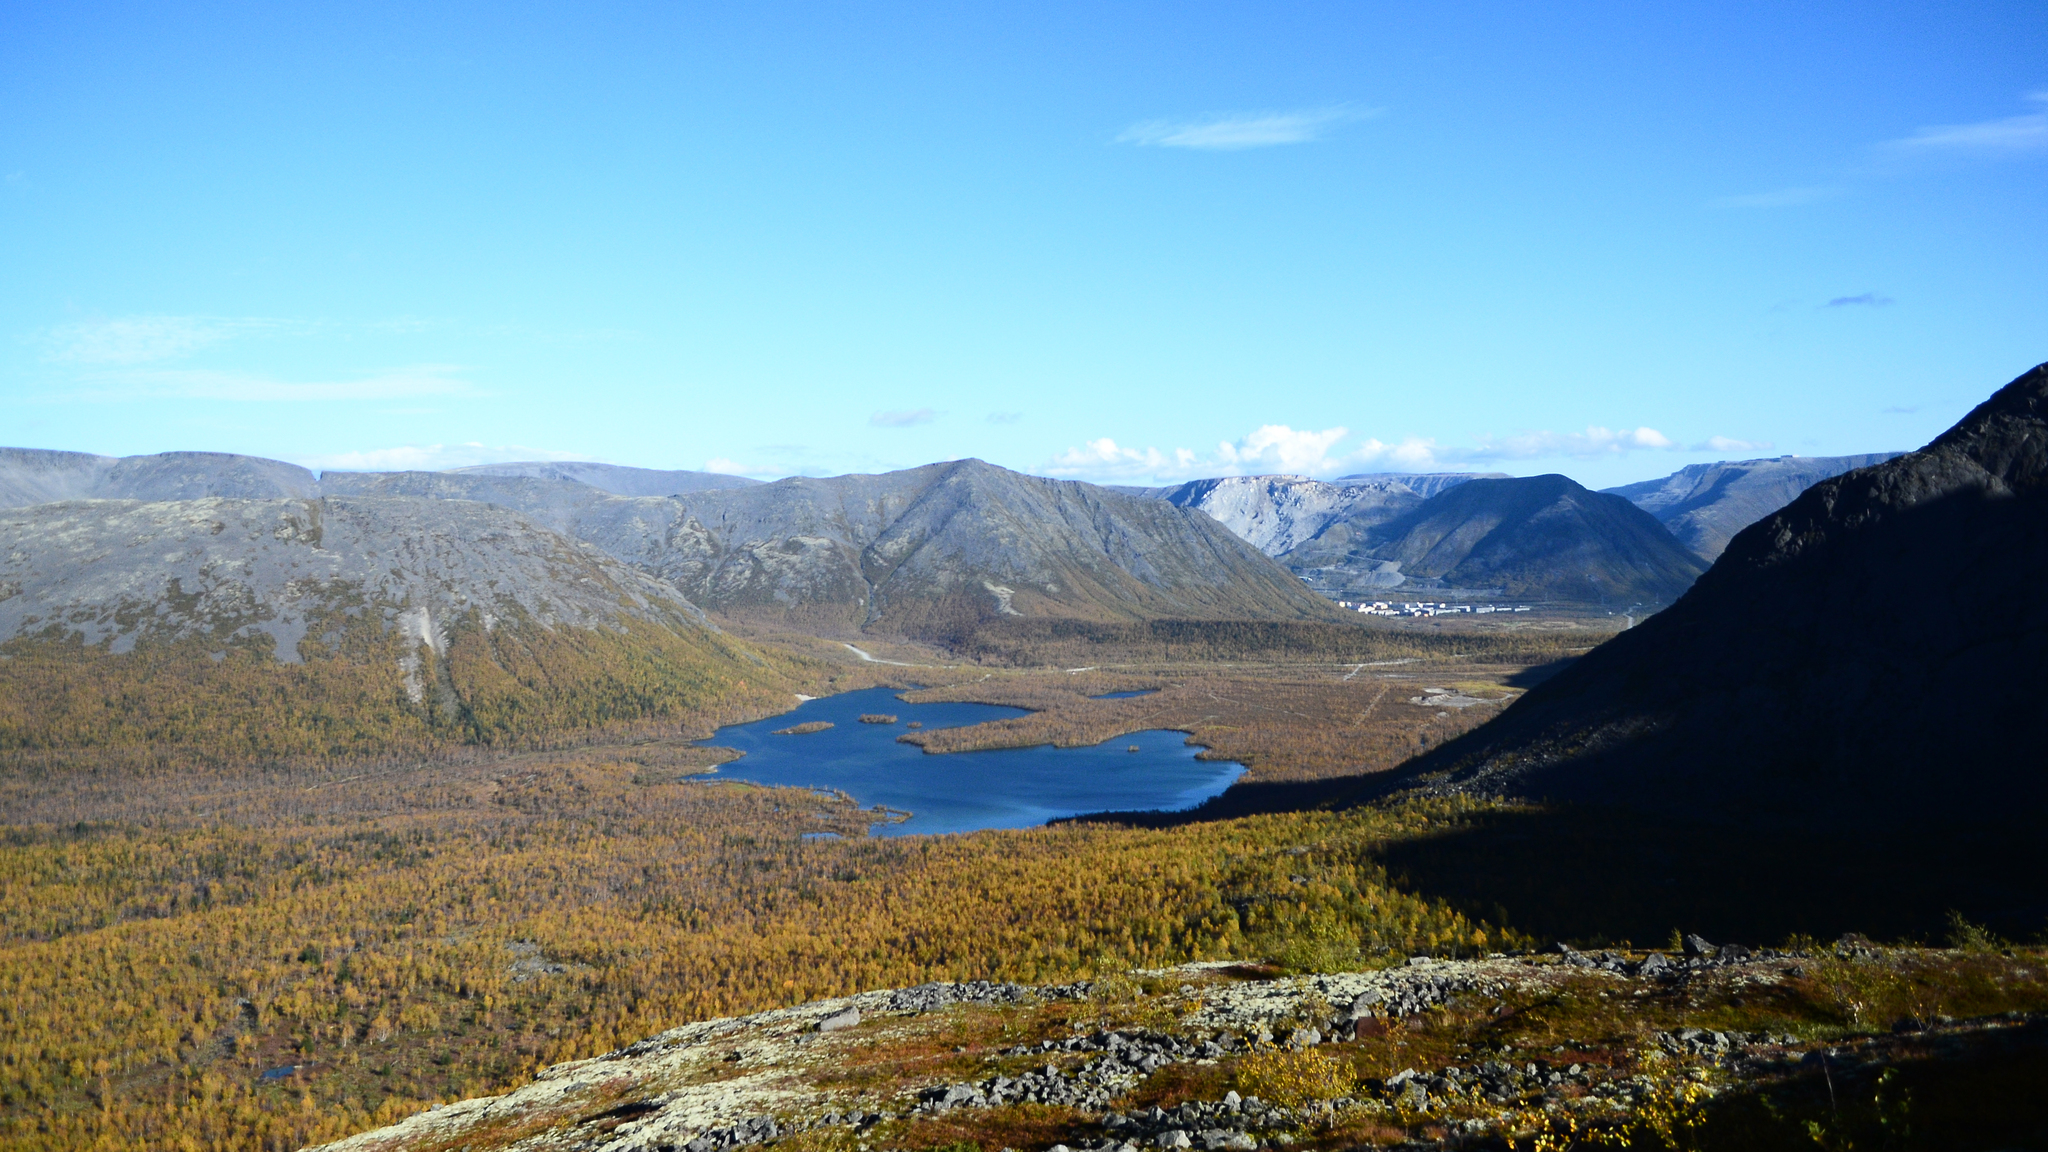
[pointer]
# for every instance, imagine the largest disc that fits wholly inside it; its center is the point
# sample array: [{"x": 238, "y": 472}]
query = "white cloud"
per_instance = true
[
  {"x": 903, "y": 419},
  {"x": 1594, "y": 441},
  {"x": 1782, "y": 198},
  {"x": 1725, "y": 444},
  {"x": 729, "y": 467},
  {"x": 208, "y": 384},
  {"x": 429, "y": 457},
  {"x": 1238, "y": 130},
  {"x": 1277, "y": 448},
  {"x": 1870, "y": 299},
  {"x": 146, "y": 339},
  {"x": 2005, "y": 136}
]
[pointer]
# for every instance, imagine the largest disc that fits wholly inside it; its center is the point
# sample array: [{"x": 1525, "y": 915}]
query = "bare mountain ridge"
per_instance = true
[
  {"x": 1874, "y": 654},
  {"x": 37, "y": 476},
  {"x": 1705, "y": 505},
  {"x": 229, "y": 570},
  {"x": 923, "y": 551}
]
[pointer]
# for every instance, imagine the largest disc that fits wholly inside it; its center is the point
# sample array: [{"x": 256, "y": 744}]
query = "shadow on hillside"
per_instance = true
[
  {"x": 1257, "y": 799},
  {"x": 1599, "y": 875}
]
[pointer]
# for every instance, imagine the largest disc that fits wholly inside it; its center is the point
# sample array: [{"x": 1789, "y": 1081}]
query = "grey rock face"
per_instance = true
[
  {"x": 840, "y": 1021},
  {"x": 1705, "y": 505},
  {"x": 228, "y": 569},
  {"x": 1277, "y": 514}
]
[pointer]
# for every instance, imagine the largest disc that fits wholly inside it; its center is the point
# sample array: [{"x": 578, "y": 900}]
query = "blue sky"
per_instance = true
[{"x": 1135, "y": 243}]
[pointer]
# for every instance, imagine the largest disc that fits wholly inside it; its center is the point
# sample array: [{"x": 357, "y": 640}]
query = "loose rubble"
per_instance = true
[{"x": 728, "y": 1084}]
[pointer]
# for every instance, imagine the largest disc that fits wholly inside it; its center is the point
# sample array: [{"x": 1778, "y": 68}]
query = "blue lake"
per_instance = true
[{"x": 964, "y": 791}]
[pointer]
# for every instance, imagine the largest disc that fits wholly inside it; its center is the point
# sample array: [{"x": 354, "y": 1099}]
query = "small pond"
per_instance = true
[{"x": 965, "y": 791}]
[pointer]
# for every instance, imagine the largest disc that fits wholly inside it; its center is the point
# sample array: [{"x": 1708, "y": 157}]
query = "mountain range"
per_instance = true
[
  {"x": 1705, "y": 505},
  {"x": 920, "y": 552}
]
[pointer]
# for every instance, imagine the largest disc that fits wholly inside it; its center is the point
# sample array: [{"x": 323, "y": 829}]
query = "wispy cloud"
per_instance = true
[
  {"x": 1233, "y": 131},
  {"x": 1782, "y": 198},
  {"x": 244, "y": 387},
  {"x": 131, "y": 340},
  {"x": 428, "y": 457},
  {"x": 1594, "y": 442},
  {"x": 1278, "y": 448},
  {"x": 903, "y": 419},
  {"x": 1865, "y": 299},
  {"x": 1727, "y": 444},
  {"x": 1900, "y": 410},
  {"x": 2008, "y": 135},
  {"x": 1005, "y": 417},
  {"x": 730, "y": 467}
]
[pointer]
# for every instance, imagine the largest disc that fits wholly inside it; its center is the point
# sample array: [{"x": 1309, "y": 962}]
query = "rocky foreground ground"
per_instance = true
[{"x": 1642, "y": 1049}]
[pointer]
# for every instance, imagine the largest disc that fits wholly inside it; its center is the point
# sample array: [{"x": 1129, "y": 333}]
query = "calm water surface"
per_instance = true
[{"x": 963, "y": 791}]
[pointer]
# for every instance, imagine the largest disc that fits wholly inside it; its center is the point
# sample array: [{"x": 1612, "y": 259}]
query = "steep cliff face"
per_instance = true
[
  {"x": 1705, "y": 505},
  {"x": 1875, "y": 652}
]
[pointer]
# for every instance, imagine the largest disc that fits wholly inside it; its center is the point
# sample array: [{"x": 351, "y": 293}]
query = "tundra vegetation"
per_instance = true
[{"x": 259, "y": 905}]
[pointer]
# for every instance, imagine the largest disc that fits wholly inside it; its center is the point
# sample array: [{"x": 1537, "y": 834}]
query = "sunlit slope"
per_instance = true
[{"x": 333, "y": 626}]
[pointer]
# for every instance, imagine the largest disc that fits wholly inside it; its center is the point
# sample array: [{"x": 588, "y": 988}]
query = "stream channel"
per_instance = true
[{"x": 965, "y": 791}]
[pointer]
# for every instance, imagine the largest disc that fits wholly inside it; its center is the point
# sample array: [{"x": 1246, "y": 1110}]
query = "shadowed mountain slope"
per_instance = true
[
  {"x": 1874, "y": 655},
  {"x": 1535, "y": 537},
  {"x": 1705, "y": 505},
  {"x": 922, "y": 552},
  {"x": 616, "y": 479}
]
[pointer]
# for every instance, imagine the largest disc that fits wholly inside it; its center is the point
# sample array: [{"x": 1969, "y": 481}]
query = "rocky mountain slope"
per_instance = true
[
  {"x": 1874, "y": 655},
  {"x": 1723, "y": 1043},
  {"x": 1705, "y": 505},
  {"x": 120, "y": 572},
  {"x": 923, "y": 552},
  {"x": 227, "y": 629},
  {"x": 1535, "y": 537}
]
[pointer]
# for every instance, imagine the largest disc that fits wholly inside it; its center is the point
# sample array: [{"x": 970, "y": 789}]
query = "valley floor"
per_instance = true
[{"x": 274, "y": 955}]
